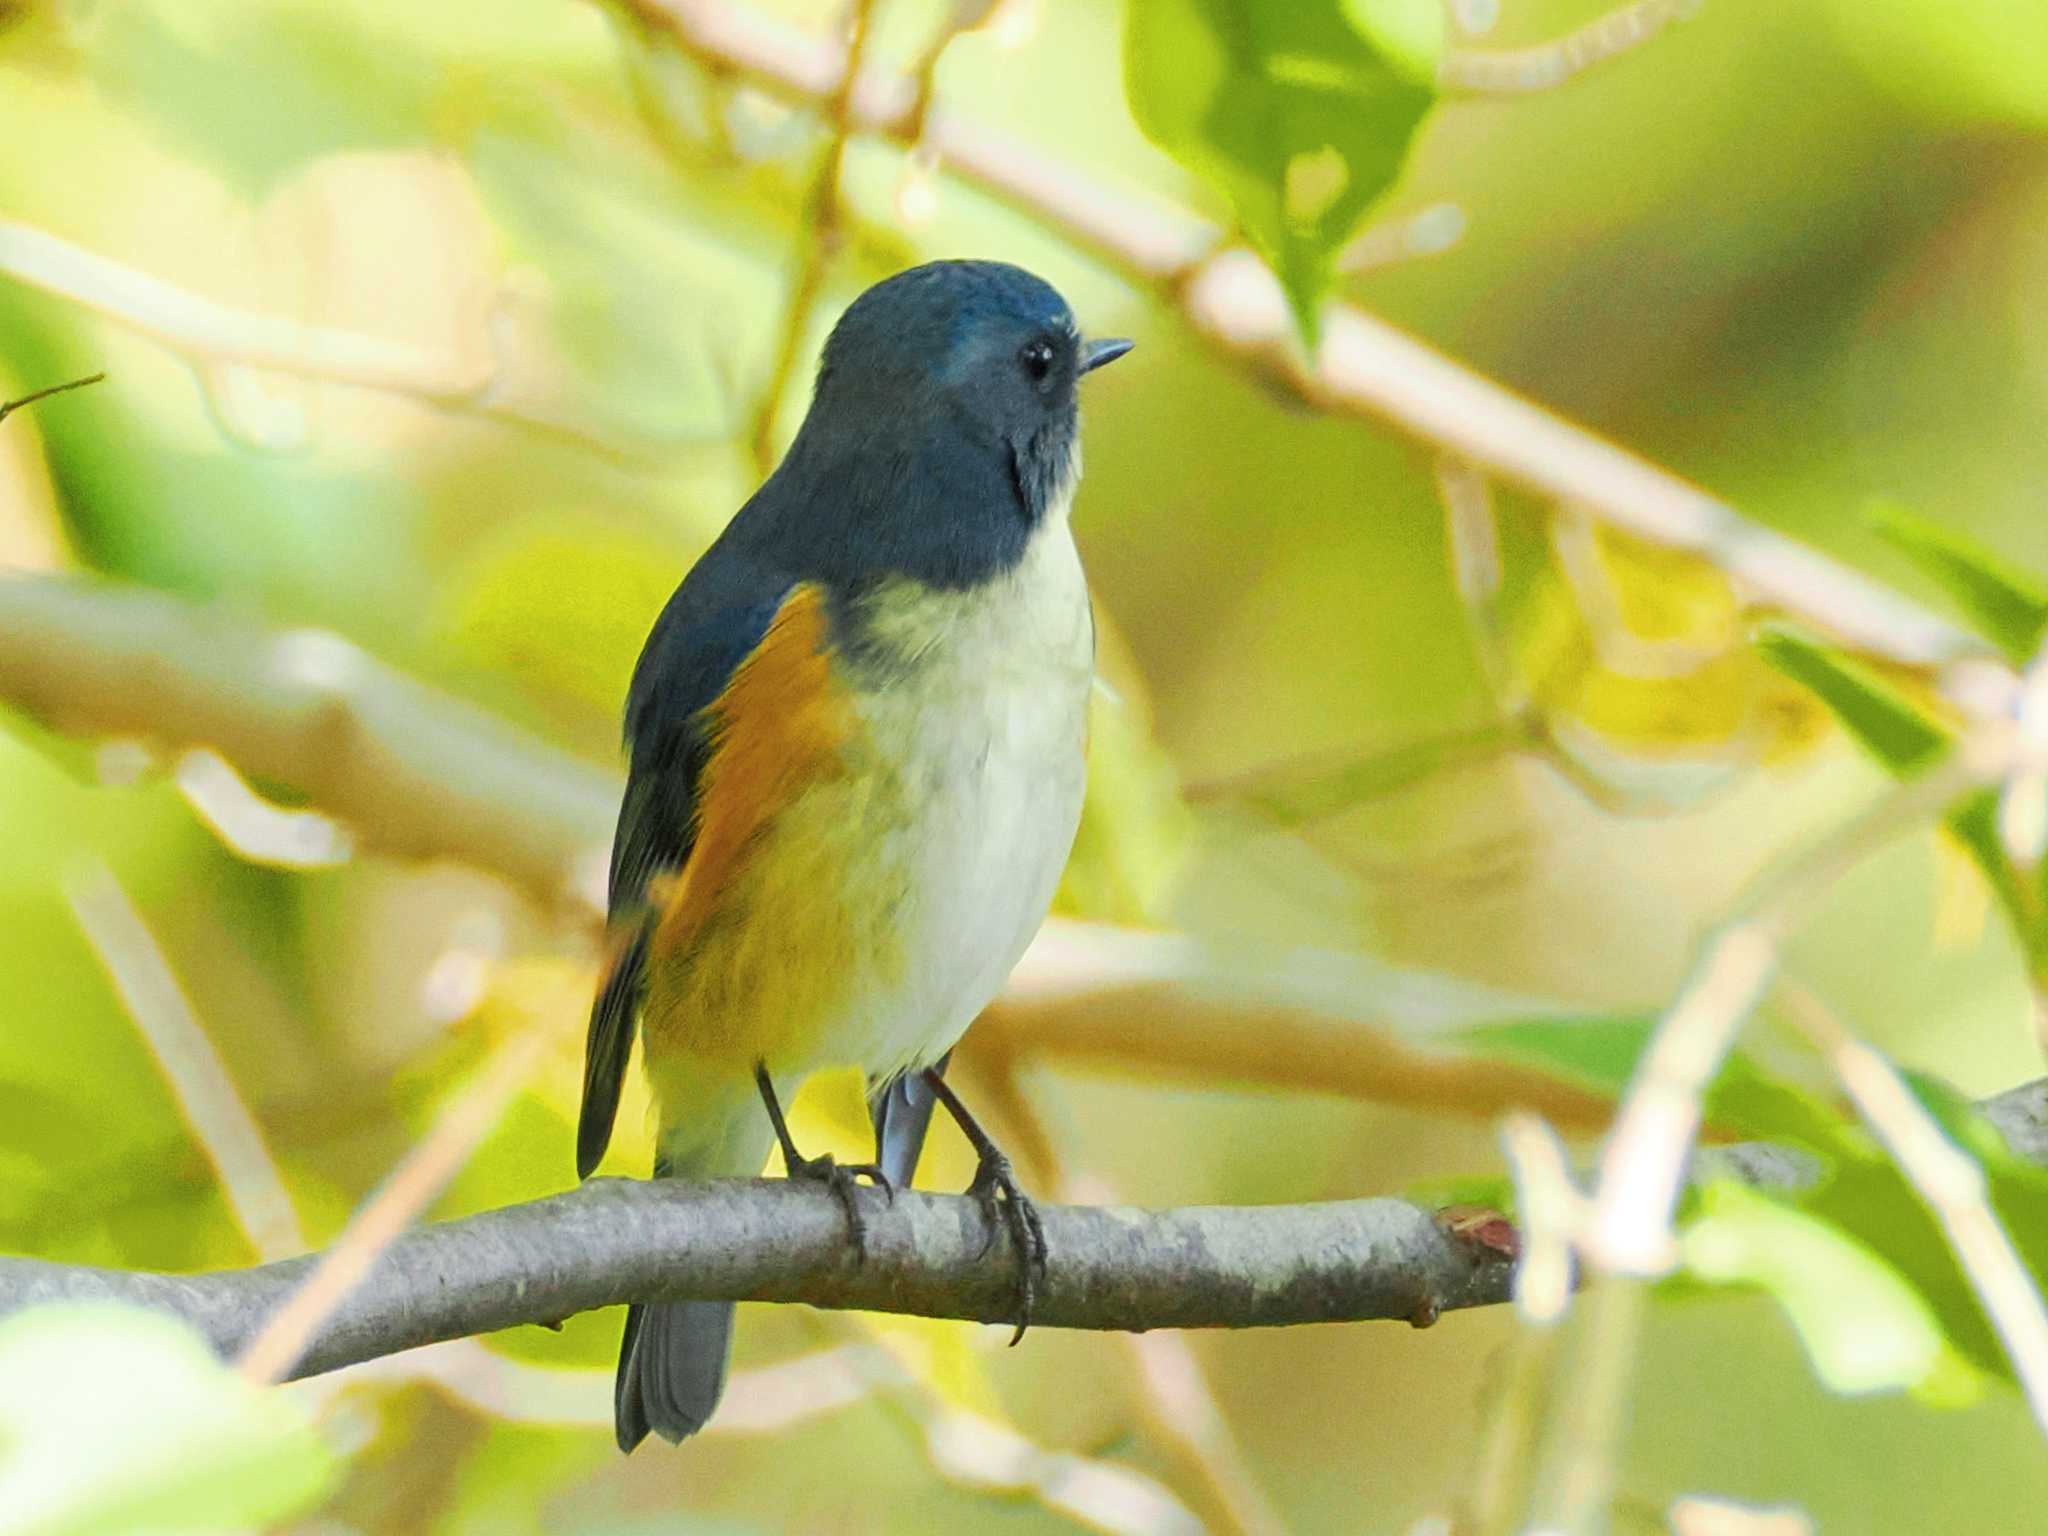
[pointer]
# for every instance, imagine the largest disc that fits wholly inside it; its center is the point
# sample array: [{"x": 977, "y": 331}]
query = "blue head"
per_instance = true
[{"x": 943, "y": 429}]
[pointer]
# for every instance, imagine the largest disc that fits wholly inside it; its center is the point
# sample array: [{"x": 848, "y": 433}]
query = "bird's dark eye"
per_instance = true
[{"x": 1037, "y": 358}]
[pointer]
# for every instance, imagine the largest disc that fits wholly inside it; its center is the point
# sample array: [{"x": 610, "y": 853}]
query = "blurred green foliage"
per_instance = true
[
  {"x": 1795, "y": 252},
  {"x": 120, "y": 1420}
]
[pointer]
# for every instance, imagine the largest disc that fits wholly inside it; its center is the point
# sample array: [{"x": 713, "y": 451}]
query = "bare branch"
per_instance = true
[
  {"x": 1365, "y": 368},
  {"x": 218, "y": 340},
  {"x": 1164, "y": 1006},
  {"x": 613, "y": 1241},
  {"x": 199, "y": 1079}
]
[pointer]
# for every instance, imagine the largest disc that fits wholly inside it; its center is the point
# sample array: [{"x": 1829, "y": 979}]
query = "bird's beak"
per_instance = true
[{"x": 1096, "y": 353}]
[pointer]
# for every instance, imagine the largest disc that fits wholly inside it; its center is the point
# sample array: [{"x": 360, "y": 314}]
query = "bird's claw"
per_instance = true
[
  {"x": 842, "y": 1179},
  {"x": 1003, "y": 1203}
]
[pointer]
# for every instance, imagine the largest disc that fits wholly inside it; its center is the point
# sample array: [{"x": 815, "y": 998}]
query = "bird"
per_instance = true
[{"x": 856, "y": 741}]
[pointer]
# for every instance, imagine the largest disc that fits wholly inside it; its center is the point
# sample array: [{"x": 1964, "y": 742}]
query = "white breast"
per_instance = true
[{"x": 982, "y": 724}]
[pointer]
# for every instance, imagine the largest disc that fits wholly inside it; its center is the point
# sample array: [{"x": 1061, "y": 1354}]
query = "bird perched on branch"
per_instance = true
[{"x": 856, "y": 737}]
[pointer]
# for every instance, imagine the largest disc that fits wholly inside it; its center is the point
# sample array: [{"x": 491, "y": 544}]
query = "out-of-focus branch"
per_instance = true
[
  {"x": 212, "y": 335},
  {"x": 1165, "y": 1006},
  {"x": 613, "y": 1241},
  {"x": 416, "y": 772},
  {"x": 1365, "y": 367},
  {"x": 193, "y": 324},
  {"x": 1544, "y": 66},
  {"x": 1628, "y": 1228},
  {"x": 272, "y": 1353},
  {"x": 1952, "y": 1184},
  {"x": 207, "y": 1097},
  {"x": 824, "y": 233}
]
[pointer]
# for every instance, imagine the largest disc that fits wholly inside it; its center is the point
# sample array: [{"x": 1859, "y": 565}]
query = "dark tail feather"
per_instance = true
[
  {"x": 901, "y": 1110},
  {"x": 671, "y": 1369}
]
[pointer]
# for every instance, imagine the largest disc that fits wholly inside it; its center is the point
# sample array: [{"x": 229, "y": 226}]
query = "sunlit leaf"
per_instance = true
[
  {"x": 1864, "y": 1327},
  {"x": 1301, "y": 112},
  {"x": 1905, "y": 737},
  {"x": 2008, "y": 604},
  {"x": 114, "y": 1420}
]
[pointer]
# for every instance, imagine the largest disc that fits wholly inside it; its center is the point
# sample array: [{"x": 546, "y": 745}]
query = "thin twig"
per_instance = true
[
  {"x": 1948, "y": 1179},
  {"x": 824, "y": 219},
  {"x": 220, "y": 1122},
  {"x": 8, "y": 407},
  {"x": 274, "y": 1353},
  {"x": 1587, "y": 1422},
  {"x": 1643, "y": 1167},
  {"x": 1550, "y": 1211},
  {"x": 759, "y": 1400},
  {"x": 214, "y": 336},
  {"x": 1552, "y": 1214},
  {"x": 1545, "y": 66}
]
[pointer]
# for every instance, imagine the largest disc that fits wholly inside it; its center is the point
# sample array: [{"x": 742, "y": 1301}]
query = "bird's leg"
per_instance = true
[
  {"x": 995, "y": 1190},
  {"x": 825, "y": 1168}
]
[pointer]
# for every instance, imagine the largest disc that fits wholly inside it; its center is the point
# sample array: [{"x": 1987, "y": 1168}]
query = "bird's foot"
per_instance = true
[
  {"x": 1003, "y": 1204},
  {"x": 842, "y": 1179}
]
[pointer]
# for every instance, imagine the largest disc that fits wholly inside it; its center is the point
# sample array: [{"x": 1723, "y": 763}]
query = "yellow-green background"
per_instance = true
[{"x": 1794, "y": 251}]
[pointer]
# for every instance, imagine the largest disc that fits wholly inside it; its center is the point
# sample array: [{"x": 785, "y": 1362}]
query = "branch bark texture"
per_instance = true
[{"x": 614, "y": 1241}]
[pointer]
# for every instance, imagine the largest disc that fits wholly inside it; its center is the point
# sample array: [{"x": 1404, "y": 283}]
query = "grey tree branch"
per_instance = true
[{"x": 613, "y": 1241}]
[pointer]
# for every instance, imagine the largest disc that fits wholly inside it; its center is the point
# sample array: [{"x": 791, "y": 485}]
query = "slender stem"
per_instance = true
[
  {"x": 825, "y": 225},
  {"x": 8, "y": 407},
  {"x": 1948, "y": 1179}
]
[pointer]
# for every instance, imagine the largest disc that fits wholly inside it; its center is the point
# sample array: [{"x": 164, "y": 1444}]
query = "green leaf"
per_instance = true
[
  {"x": 1600, "y": 1053},
  {"x": 1897, "y": 731},
  {"x": 1864, "y": 1327},
  {"x": 1905, "y": 738},
  {"x": 2008, "y": 604},
  {"x": 1300, "y": 112},
  {"x": 114, "y": 1419}
]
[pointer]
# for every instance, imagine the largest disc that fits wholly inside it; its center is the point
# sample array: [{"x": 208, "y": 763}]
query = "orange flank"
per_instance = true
[{"x": 776, "y": 730}]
